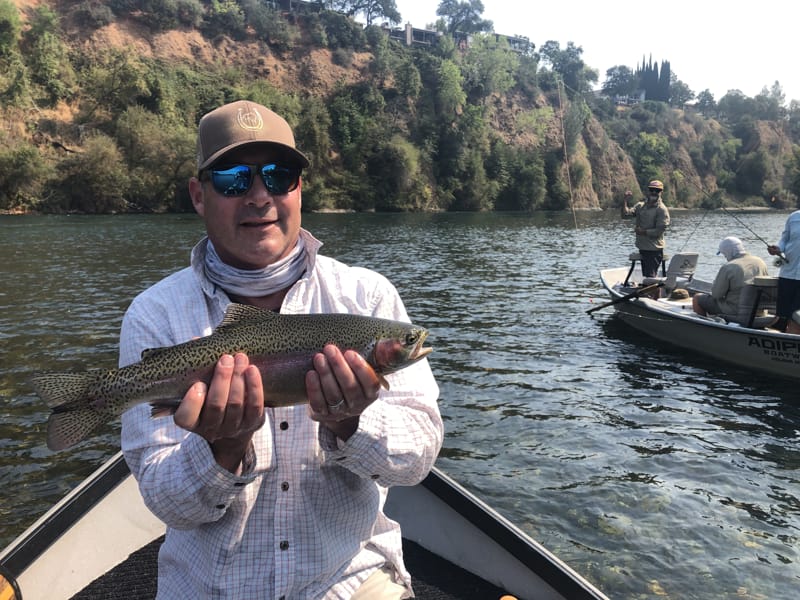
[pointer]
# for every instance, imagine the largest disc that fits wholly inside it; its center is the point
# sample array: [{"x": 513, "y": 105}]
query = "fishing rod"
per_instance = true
[
  {"x": 702, "y": 190},
  {"x": 743, "y": 224},
  {"x": 740, "y": 221}
]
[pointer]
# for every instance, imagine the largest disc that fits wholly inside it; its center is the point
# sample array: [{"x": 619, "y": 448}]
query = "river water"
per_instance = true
[{"x": 653, "y": 472}]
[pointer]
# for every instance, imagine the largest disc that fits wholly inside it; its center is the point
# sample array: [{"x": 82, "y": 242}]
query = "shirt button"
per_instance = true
[
  {"x": 284, "y": 545},
  {"x": 375, "y": 476},
  {"x": 220, "y": 506},
  {"x": 285, "y": 486},
  {"x": 238, "y": 484},
  {"x": 284, "y": 425}
]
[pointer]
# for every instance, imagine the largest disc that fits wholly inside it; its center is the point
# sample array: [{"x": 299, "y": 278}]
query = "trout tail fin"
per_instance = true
[{"x": 74, "y": 416}]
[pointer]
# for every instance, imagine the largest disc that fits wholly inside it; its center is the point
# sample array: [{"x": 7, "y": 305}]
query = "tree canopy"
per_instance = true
[
  {"x": 464, "y": 16},
  {"x": 370, "y": 9},
  {"x": 462, "y": 122}
]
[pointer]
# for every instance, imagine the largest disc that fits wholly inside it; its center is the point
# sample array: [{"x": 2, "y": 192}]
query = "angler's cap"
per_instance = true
[
  {"x": 241, "y": 123},
  {"x": 655, "y": 185},
  {"x": 731, "y": 247}
]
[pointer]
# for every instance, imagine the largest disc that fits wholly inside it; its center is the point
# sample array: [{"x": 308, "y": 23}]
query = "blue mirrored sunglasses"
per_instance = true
[{"x": 236, "y": 180}]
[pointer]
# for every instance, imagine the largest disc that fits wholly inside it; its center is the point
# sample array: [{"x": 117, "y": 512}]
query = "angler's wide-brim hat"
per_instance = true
[{"x": 242, "y": 123}]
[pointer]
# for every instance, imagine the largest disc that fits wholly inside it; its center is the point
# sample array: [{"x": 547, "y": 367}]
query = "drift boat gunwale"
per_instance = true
[
  {"x": 673, "y": 321},
  {"x": 56, "y": 555}
]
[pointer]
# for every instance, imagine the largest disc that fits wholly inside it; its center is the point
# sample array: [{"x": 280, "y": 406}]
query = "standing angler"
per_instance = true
[
  {"x": 263, "y": 500},
  {"x": 652, "y": 220}
]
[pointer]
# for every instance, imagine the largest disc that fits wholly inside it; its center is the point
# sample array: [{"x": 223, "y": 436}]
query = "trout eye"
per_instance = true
[{"x": 411, "y": 339}]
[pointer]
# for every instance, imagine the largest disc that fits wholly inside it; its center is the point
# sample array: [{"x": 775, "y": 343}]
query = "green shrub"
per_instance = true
[
  {"x": 159, "y": 155},
  {"x": 316, "y": 31},
  {"x": 189, "y": 12},
  {"x": 268, "y": 25},
  {"x": 15, "y": 85},
  {"x": 123, "y": 7},
  {"x": 225, "y": 17},
  {"x": 50, "y": 67},
  {"x": 93, "y": 14},
  {"x": 94, "y": 180},
  {"x": 22, "y": 175},
  {"x": 342, "y": 57},
  {"x": 342, "y": 31},
  {"x": 114, "y": 81},
  {"x": 10, "y": 28}
]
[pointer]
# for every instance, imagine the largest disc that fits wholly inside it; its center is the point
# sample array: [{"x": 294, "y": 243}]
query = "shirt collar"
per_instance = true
[{"x": 198, "y": 257}]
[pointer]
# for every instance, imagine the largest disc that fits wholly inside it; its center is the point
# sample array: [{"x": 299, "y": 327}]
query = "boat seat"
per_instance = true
[
  {"x": 635, "y": 257},
  {"x": 757, "y": 303},
  {"x": 699, "y": 286},
  {"x": 679, "y": 272}
]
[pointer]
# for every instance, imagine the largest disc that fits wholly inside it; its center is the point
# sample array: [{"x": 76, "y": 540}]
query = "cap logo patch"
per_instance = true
[{"x": 249, "y": 119}]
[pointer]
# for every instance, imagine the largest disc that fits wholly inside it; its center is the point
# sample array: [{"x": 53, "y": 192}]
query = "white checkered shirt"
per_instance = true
[{"x": 305, "y": 518}]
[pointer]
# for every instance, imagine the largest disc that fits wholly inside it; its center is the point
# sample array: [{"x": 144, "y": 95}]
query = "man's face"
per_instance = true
[
  {"x": 255, "y": 229},
  {"x": 652, "y": 194}
]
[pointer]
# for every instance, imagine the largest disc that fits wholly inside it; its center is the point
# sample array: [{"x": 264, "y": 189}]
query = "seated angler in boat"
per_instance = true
[{"x": 740, "y": 270}]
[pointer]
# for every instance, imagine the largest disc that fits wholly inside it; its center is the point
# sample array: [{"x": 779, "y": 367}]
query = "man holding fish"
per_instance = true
[{"x": 265, "y": 497}]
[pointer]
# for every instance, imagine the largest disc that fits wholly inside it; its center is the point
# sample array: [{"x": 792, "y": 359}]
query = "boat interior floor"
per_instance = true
[
  {"x": 433, "y": 578},
  {"x": 683, "y": 304}
]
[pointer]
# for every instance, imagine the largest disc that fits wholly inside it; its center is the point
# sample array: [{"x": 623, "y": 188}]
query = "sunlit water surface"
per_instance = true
[{"x": 653, "y": 472}]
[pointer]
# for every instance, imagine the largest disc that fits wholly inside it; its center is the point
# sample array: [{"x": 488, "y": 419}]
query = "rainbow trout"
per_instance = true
[{"x": 281, "y": 346}]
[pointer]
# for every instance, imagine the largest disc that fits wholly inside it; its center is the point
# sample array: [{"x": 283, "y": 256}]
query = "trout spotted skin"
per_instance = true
[{"x": 282, "y": 347}]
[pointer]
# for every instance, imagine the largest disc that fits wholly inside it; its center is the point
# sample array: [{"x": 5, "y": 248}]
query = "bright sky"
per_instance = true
[{"x": 709, "y": 44}]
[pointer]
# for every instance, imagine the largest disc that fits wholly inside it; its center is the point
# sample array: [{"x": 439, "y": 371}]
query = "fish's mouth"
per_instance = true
[
  {"x": 392, "y": 353},
  {"x": 418, "y": 351}
]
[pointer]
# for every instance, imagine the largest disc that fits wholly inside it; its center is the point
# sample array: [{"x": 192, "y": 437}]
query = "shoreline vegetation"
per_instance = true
[
  {"x": 744, "y": 209},
  {"x": 101, "y": 104}
]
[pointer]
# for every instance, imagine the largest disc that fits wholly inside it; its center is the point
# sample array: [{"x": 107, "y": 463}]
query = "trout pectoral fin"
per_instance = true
[
  {"x": 384, "y": 383},
  {"x": 163, "y": 409}
]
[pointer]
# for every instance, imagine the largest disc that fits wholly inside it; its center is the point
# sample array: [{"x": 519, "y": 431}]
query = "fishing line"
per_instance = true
[
  {"x": 566, "y": 154},
  {"x": 703, "y": 191},
  {"x": 743, "y": 224},
  {"x": 735, "y": 217},
  {"x": 691, "y": 234},
  {"x": 699, "y": 187}
]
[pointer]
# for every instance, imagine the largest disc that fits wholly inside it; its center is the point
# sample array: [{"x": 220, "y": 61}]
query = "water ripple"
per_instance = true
[{"x": 653, "y": 472}]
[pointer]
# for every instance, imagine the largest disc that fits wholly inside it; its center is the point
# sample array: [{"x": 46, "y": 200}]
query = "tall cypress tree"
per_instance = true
[
  {"x": 663, "y": 81},
  {"x": 650, "y": 80},
  {"x": 655, "y": 86}
]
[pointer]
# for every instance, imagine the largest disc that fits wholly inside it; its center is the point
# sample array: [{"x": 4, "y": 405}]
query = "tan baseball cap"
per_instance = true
[{"x": 240, "y": 123}]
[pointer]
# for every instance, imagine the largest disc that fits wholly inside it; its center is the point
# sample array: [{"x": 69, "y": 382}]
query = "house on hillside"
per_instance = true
[{"x": 412, "y": 36}]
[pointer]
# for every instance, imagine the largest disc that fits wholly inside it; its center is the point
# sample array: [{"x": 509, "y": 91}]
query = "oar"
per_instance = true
[{"x": 630, "y": 296}]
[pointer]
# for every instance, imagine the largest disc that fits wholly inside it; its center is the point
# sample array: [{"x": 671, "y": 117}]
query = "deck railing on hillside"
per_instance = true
[{"x": 409, "y": 35}]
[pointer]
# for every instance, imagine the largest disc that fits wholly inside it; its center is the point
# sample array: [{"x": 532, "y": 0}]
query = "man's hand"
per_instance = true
[
  {"x": 340, "y": 387},
  {"x": 228, "y": 412}
]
